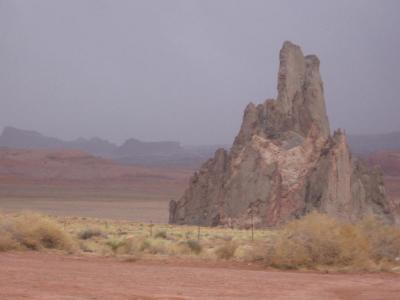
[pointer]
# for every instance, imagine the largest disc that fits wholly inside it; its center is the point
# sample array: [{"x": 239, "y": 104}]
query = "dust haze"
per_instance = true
[{"x": 185, "y": 70}]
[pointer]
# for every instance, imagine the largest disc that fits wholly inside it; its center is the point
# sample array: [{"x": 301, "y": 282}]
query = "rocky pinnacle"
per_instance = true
[{"x": 284, "y": 163}]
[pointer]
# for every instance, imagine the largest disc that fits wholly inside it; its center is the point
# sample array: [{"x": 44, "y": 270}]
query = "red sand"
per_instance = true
[{"x": 56, "y": 277}]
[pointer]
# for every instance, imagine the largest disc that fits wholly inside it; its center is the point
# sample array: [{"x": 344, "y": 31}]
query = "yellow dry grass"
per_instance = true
[
  {"x": 314, "y": 242},
  {"x": 34, "y": 232},
  {"x": 317, "y": 241}
]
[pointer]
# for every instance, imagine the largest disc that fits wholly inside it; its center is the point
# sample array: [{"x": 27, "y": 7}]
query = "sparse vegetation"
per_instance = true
[
  {"x": 194, "y": 246},
  {"x": 7, "y": 242},
  {"x": 314, "y": 242},
  {"x": 89, "y": 233},
  {"x": 115, "y": 244},
  {"x": 158, "y": 246},
  {"x": 161, "y": 234},
  {"x": 226, "y": 251},
  {"x": 318, "y": 240},
  {"x": 34, "y": 232},
  {"x": 254, "y": 252}
]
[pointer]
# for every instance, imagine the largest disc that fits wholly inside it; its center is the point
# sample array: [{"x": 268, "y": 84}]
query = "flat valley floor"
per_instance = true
[{"x": 108, "y": 201}]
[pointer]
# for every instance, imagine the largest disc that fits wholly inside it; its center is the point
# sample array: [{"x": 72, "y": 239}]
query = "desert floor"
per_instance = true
[
  {"x": 119, "y": 202},
  {"x": 58, "y": 277},
  {"x": 143, "y": 202},
  {"x": 52, "y": 276}
]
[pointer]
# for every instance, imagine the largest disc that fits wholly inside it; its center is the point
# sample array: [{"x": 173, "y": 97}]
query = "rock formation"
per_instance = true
[{"x": 284, "y": 162}]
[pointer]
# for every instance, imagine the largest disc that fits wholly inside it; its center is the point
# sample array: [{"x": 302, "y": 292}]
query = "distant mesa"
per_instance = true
[
  {"x": 284, "y": 162},
  {"x": 370, "y": 143},
  {"x": 149, "y": 148},
  {"x": 26, "y": 139},
  {"x": 132, "y": 151}
]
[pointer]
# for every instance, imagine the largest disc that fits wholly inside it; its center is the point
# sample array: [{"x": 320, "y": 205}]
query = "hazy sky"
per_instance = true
[{"x": 185, "y": 70}]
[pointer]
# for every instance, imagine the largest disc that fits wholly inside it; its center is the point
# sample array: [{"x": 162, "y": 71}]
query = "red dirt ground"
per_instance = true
[{"x": 57, "y": 277}]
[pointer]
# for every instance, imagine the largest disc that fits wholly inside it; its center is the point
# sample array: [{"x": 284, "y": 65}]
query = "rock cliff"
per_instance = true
[{"x": 284, "y": 162}]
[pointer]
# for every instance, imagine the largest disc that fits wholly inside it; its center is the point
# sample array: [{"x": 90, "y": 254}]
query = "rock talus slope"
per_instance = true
[{"x": 284, "y": 162}]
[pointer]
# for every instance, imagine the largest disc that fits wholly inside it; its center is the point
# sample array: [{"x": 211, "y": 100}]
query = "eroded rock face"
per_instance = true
[{"x": 283, "y": 163}]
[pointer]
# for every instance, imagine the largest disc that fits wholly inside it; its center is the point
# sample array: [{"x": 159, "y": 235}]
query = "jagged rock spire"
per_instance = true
[
  {"x": 283, "y": 163},
  {"x": 300, "y": 105},
  {"x": 300, "y": 90}
]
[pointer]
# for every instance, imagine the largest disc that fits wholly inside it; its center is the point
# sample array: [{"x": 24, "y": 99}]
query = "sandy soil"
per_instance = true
[
  {"x": 122, "y": 202},
  {"x": 72, "y": 183},
  {"x": 57, "y": 277}
]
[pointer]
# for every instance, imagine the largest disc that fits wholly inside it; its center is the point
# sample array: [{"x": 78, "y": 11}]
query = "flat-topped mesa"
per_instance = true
[{"x": 283, "y": 163}]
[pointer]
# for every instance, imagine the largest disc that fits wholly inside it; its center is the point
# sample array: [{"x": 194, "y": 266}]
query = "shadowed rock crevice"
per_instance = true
[{"x": 283, "y": 163}]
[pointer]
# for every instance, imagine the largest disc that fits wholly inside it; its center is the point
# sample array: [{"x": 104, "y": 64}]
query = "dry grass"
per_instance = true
[
  {"x": 319, "y": 241},
  {"x": 194, "y": 246},
  {"x": 161, "y": 234},
  {"x": 383, "y": 240},
  {"x": 34, "y": 232},
  {"x": 314, "y": 242},
  {"x": 89, "y": 233},
  {"x": 7, "y": 242},
  {"x": 139, "y": 239},
  {"x": 251, "y": 252},
  {"x": 226, "y": 251}
]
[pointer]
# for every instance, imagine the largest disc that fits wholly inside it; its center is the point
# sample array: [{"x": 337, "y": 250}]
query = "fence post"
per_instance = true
[
  {"x": 252, "y": 226},
  {"x": 151, "y": 228}
]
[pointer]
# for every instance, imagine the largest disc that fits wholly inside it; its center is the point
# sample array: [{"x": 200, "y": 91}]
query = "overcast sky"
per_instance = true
[{"x": 185, "y": 70}]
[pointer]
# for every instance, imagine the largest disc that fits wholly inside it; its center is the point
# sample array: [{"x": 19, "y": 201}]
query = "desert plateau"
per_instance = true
[{"x": 182, "y": 150}]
